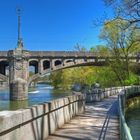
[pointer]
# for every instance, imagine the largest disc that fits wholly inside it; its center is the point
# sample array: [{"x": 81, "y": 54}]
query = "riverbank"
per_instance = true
[{"x": 132, "y": 102}]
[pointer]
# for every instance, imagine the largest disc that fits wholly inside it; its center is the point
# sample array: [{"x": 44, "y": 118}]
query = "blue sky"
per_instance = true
[{"x": 51, "y": 24}]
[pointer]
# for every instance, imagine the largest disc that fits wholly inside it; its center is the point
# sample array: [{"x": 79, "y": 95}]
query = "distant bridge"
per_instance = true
[
  {"x": 17, "y": 62},
  {"x": 47, "y": 61}
]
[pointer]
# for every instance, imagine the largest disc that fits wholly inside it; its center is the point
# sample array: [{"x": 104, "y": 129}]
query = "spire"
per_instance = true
[
  {"x": 19, "y": 41},
  {"x": 18, "y": 14}
]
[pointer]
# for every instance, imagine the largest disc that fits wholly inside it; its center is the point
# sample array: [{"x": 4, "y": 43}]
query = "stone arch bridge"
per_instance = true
[{"x": 14, "y": 66}]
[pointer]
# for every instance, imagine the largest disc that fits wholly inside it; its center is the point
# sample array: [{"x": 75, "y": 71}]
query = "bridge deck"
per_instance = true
[{"x": 99, "y": 122}]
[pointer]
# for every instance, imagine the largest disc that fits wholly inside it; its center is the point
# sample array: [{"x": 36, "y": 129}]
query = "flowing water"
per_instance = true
[{"x": 39, "y": 94}]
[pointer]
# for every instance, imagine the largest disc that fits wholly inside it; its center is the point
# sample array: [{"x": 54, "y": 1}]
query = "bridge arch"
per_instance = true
[
  {"x": 69, "y": 60},
  {"x": 33, "y": 66},
  {"x": 57, "y": 62},
  {"x": 33, "y": 60},
  {"x": 46, "y": 64},
  {"x": 4, "y": 67},
  {"x": 71, "y": 63}
]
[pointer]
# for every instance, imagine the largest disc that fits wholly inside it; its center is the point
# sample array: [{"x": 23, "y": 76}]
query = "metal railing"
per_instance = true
[{"x": 124, "y": 129}]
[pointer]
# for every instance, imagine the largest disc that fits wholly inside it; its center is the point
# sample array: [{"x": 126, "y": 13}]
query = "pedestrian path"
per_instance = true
[{"x": 99, "y": 122}]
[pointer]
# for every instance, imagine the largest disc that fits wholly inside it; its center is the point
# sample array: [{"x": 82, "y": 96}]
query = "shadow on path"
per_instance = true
[
  {"x": 99, "y": 122},
  {"x": 111, "y": 115}
]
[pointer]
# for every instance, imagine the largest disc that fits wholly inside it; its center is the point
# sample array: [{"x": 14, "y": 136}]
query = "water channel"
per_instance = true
[
  {"x": 133, "y": 120},
  {"x": 39, "y": 94}
]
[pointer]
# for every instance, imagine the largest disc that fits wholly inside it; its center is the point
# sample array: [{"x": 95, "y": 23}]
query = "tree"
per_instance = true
[
  {"x": 56, "y": 78},
  {"x": 100, "y": 50},
  {"x": 121, "y": 42},
  {"x": 79, "y": 48},
  {"x": 128, "y": 10}
]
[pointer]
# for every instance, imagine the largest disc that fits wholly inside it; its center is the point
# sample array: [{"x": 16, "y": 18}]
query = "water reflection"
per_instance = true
[
  {"x": 39, "y": 94},
  {"x": 13, "y": 105}
]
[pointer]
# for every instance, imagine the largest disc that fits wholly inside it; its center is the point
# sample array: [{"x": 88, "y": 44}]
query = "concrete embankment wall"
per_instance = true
[
  {"x": 91, "y": 97},
  {"x": 38, "y": 121}
]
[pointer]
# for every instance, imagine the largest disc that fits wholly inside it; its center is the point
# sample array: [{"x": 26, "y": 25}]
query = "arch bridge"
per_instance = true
[{"x": 14, "y": 66}]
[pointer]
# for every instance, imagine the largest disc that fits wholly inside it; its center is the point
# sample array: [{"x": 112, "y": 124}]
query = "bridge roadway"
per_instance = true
[{"x": 99, "y": 122}]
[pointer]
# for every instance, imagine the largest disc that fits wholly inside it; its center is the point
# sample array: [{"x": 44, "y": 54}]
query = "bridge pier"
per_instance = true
[
  {"x": 40, "y": 66},
  {"x": 18, "y": 73},
  {"x": 52, "y": 65},
  {"x": 18, "y": 89}
]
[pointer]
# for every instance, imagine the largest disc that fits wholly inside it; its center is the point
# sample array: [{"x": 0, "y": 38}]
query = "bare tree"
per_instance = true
[{"x": 128, "y": 10}]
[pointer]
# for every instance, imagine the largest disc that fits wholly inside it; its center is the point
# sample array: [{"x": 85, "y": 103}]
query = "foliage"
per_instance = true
[
  {"x": 100, "y": 50},
  {"x": 67, "y": 77},
  {"x": 56, "y": 78},
  {"x": 31, "y": 73},
  {"x": 128, "y": 10},
  {"x": 122, "y": 43},
  {"x": 84, "y": 76},
  {"x": 132, "y": 79}
]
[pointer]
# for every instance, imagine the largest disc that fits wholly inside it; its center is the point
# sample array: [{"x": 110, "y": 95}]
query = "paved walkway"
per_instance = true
[{"x": 99, "y": 122}]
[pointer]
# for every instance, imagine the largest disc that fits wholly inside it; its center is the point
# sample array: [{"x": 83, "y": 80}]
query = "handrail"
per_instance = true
[{"x": 124, "y": 129}]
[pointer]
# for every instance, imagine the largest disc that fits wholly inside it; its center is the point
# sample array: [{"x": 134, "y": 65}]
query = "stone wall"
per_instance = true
[
  {"x": 38, "y": 121},
  {"x": 92, "y": 96},
  {"x": 3, "y": 84}
]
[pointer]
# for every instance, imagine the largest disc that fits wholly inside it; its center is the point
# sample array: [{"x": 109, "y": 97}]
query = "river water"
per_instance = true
[
  {"x": 41, "y": 93},
  {"x": 133, "y": 121}
]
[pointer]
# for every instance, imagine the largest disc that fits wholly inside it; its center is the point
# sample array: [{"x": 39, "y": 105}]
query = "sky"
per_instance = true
[{"x": 51, "y": 25}]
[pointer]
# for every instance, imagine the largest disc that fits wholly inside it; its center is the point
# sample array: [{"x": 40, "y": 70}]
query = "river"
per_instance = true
[
  {"x": 133, "y": 121},
  {"x": 41, "y": 93}
]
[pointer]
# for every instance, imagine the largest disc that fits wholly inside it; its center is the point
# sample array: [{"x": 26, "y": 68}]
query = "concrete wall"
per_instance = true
[
  {"x": 38, "y": 121},
  {"x": 91, "y": 97}
]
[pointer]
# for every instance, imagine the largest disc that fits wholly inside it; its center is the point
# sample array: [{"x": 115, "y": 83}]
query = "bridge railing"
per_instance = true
[
  {"x": 62, "y": 54},
  {"x": 125, "y": 94}
]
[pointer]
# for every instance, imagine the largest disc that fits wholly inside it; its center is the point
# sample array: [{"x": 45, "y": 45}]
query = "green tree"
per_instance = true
[
  {"x": 122, "y": 42},
  {"x": 56, "y": 78},
  {"x": 100, "y": 50}
]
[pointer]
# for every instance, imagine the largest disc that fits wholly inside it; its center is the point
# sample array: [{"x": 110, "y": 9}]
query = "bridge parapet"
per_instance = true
[
  {"x": 3, "y": 54},
  {"x": 61, "y": 54}
]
